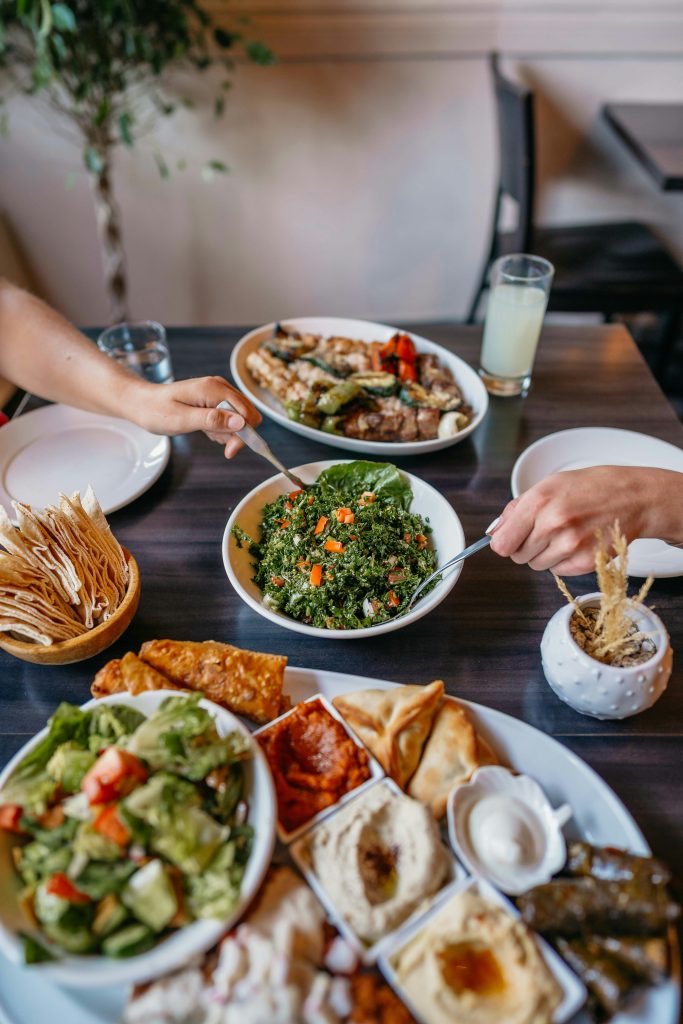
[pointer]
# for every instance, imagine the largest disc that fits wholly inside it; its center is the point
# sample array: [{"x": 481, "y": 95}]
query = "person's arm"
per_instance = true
[
  {"x": 553, "y": 524},
  {"x": 42, "y": 353}
]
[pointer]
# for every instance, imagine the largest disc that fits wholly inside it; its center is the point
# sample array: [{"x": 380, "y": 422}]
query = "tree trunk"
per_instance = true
[{"x": 111, "y": 242}]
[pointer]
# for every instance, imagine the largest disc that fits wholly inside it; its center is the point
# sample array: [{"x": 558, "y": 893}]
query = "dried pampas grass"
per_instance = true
[{"x": 608, "y": 633}]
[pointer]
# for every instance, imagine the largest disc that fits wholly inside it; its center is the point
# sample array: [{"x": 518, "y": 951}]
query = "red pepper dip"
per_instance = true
[{"x": 314, "y": 762}]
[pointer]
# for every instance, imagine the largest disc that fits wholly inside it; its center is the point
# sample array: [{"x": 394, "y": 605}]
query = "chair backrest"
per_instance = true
[{"x": 515, "y": 109}]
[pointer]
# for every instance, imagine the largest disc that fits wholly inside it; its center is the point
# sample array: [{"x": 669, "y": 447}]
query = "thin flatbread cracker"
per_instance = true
[{"x": 245, "y": 682}]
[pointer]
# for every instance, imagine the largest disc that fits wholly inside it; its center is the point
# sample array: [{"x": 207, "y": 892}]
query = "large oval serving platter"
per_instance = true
[
  {"x": 599, "y": 817},
  {"x": 473, "y": 390}
]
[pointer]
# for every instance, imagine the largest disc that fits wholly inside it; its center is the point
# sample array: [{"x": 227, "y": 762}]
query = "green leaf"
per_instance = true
[
  {"x": 260, "y": 54},
  {"x": 125, "y": 125},
  {"x": 63, "y": 18},
  {"x": 162, "y": 166},
  {"x": 45, "y": 18},
  {"x": 219, "y": 166},
  {"x": 380, "y": 478},
  {"x": 93, "y": 160}
]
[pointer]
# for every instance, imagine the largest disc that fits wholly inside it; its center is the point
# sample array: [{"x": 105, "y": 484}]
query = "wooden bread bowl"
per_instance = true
[{"x": 96, "y": 640}]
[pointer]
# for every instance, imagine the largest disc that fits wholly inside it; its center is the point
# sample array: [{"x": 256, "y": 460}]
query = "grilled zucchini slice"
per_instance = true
[{"x": 376, "y": 382}]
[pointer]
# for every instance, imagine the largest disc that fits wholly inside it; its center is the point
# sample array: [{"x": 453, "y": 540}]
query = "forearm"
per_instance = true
[
  {"x": 662, "y": 497},
  {"x": 43, "y": 353}
]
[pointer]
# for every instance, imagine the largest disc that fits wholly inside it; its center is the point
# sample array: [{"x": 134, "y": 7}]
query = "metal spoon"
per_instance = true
[
  {"x": 465, "y": 553},
  {"x": 258, "y": 445}
]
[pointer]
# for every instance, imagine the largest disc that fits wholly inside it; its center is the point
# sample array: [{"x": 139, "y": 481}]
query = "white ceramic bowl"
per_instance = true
[
  {"x": 494, "y": 780},
  {"x": 181, "y": 946},
  {"x": 448, "y": 539},
  {"x": 468, "y": 381},
  {"x": 604, "y": 691}
]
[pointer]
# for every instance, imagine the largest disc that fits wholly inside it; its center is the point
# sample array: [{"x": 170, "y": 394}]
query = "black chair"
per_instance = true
[{"x": 617, "y": 267}]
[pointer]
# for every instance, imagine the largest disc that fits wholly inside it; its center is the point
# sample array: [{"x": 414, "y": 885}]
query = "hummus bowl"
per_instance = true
[
  {"x": 447, "y": 538},
  {"x": 570, "y": 992},
  {"x": 95, "y": 971},
  {"x": 369, "y": 881}
]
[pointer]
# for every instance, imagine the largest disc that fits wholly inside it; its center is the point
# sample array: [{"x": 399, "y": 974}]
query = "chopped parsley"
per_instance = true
[{"x": 345, "y": 553}]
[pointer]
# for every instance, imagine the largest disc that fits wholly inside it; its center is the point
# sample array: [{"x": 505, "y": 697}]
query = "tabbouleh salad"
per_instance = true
[{"x": 345, "y": 553}]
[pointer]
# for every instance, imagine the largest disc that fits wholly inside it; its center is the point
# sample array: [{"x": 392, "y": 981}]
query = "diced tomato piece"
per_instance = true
[
  {"x": 115, "y": 773},
  {"x": 10, "y": 816},
  {"x": 334, "y": 545},
  {"x": 396, "y": 576},
  {"x": 393, "y": 599},
  {"x": 311, "y": 499},
  {"x": 405, "y": 349},
  {"x": 53, "y": 817},
  {"x": 343, "y": 515},
  {"x": 62, "y": 886},
  {"x": 302, "y": 564},
  {"x": 320, "y": 525},
  {"x": 284, "y": 523},
  {"x": 366, "y": 498},
  {"x": 421, "y": 540},
  {"x": 289, "y": 506},
  {"x": 389, "y": 349},
  {"x": 316, "y": 576},
  {"x": 108, "y": 824},
  {"x": 277, "y": 581},
  {"x": 352, "y": 536},
  {"x": 407, "y": 537},
  {"x": 293, "y": 495},
  {"x": 406, "y": 370}
]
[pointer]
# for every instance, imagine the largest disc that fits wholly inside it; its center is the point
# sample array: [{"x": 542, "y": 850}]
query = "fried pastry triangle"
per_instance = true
[
  {"x": 451, "y": 754},
  {"x": 393, "y": 724}
]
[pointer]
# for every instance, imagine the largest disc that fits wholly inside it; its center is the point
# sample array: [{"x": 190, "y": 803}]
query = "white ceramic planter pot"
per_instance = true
[{"x": 601, "y": 690}]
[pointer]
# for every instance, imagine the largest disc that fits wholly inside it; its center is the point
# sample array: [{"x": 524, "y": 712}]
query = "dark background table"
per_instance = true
[
  {"x": 483, "y": 640},
  {"x": 654, "y": 134}
]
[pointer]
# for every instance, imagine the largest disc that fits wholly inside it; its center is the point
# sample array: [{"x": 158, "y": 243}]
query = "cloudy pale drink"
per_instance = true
[{"x": 513, "y": 324}]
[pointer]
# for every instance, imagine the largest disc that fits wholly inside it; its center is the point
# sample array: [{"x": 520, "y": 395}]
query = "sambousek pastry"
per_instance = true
[
  {"x": 451, "y": 754},
  {"x": 63, "y": 572},
  {"x": 245, "y": 682},
  {"x": 393, "y": 724}
]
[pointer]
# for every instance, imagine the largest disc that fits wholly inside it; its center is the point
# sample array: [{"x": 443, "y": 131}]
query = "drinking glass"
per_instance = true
[
  {"x": 518, "y": 295},
  {"x": 142, "y": 347}
]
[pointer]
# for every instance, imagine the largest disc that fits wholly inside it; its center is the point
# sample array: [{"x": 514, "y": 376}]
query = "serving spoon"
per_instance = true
[
  {"x": 460, "y": 557},
  {"x": 254, "y": 441}
]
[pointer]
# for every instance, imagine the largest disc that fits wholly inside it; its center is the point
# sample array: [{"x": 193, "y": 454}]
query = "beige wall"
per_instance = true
[{"x": 363, "y": 164}]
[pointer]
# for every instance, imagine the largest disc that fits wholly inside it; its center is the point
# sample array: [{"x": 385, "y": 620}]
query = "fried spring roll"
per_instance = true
[
  {"x": 586, "y": 905},
  {"x": 615, "y": 865}
]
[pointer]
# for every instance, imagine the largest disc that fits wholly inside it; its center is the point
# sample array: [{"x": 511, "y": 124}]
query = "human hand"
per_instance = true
[
  {"x": 553, "y": 524},
  {"x": 188, "y": 405}
]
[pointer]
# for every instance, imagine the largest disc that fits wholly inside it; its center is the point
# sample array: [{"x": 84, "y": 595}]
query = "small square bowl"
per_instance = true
[
  {"x": 574, "y": 992},
  {"x": 368, "y": 954},
  {"x": 376, "y": 771}
]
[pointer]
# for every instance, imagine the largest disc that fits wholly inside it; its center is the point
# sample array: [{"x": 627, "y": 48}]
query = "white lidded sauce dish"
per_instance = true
[{"x": 503, "y": 828}]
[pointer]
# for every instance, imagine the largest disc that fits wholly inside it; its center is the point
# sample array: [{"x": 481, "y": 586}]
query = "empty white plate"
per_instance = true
[
  {"x": 57, "y": 448},
  {"x": 605, "y": 446}
]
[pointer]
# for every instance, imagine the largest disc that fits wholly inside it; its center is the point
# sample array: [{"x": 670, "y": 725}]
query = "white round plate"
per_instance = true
[
  {"x": 599, "y": 817},
  {"x": 468, "y": 381},
  {"x": 59, "y": 449},
  {"x": 605, "y": 446},
  {"x": 448, "y": 539},
  {"x": 90, "y": 972}
]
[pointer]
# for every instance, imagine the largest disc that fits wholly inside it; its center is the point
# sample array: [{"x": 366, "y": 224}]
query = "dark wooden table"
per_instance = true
[
  {"x": 654, "y": 134},
  {"x": 484, "y": 638}
]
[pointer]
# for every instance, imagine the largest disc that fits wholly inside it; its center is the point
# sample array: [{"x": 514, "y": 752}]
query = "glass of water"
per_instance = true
[
  {"x": 142, "y": 347},
  {"x": 518, "y": 295}
]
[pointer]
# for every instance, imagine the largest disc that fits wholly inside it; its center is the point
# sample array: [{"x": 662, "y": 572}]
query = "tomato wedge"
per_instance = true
[
  {"x": 62, "y": 886},
  {"x": 10, "y": 816},
  {"x": 108, "y": 824},
  {"x": 393, "y": 599},
  {"x": 334, "y": 545},
  {"x": 320, "y": 525},
  {"x": 316, "y": 576},
  {"x": 114, "y": 774}
]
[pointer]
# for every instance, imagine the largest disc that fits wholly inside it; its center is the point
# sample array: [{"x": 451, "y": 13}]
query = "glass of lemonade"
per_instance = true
[
  {"x": 142, "y": 347},
  {"x": 518, "y": 295}
]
